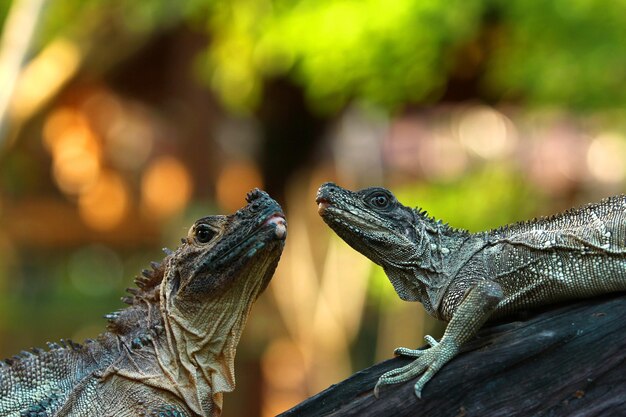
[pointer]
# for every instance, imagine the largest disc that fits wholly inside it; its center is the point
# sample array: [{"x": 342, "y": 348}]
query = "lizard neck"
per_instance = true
[
  {"x": 201, "y": 344},
  {"x": 202, "y": 359},
  {"x": 440, "y": 252}
]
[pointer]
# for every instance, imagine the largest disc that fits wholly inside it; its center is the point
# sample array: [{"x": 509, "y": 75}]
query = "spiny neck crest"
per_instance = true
[
  {"x": 63, "y": 344},
  {"x": 150, "y": 279},
  {"x": 437, "y": 225},
  {"x": 146, "y": 292}
]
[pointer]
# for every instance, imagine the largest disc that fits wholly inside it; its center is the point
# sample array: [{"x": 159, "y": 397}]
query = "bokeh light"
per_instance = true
[
  {"x": 606, "y": 157},
  {"x": 127, "y": 130},
  {"x": 486, "y": 132},
  {"x": 104, "y": 205},
  {"x": 284, "y": 370},
  {"x": 75, "y": 150},
  {"x": 235, "y": 180},
  {"x": 76, "y": 165},
  {"x": 165, "y": 187}
]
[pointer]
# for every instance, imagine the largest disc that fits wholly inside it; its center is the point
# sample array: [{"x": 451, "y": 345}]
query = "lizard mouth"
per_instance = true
[
  {"x": 327, "y": 210},
  {"x": 256, "y": 240},
  {"x": 345, "y": 221},
  {"x": 322, "y": 205},
  {"x": 277, "y": 220}
]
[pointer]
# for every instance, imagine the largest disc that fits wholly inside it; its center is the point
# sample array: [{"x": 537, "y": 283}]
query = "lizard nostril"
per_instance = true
[
  {"x": 328, "y": 187},
  {"x": 326, "y": 193}
]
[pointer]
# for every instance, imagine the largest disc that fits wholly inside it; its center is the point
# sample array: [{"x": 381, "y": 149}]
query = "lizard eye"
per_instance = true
[
  {"x": 204, "y": 233},
  {"x": 380, "y": 201}
]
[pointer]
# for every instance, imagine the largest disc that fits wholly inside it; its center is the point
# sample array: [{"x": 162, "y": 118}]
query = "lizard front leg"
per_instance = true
[{"x": 477, "y": 305}]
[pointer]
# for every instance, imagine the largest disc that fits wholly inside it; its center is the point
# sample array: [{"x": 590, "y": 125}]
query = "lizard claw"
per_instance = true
[
  {"x": 377, "y": 389},
  {"x": 428, "y": 362},
  {"x": 415, "y": 353},
  {"x": 430, "y": 340}
]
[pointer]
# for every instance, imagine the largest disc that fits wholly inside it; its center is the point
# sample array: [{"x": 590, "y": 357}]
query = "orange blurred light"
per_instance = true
[
  {"x": 127, "y": 128},
  {"x": 165, "y": 187},
  {"x": 104, "y": 205},
  {"x": 75, "y": 150},
  {"x": 284, "y": 373},
  {"x": 235, "y": 180},
  {"x": 283, "y": 365},
  {"x": 76, "y": 169},
  {"x": 277, "y": 402},
  {"x": 57, "y": 124}
]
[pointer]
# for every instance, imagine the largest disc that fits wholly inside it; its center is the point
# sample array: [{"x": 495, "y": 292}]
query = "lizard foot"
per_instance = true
[
  {"x": 428, "y": 362},
  {"x": 415, "y": 353}
]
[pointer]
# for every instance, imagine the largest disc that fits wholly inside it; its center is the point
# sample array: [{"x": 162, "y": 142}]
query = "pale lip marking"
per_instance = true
[
  {"x": 322, "y": 205},
  {"x": 280, "y": 225}
]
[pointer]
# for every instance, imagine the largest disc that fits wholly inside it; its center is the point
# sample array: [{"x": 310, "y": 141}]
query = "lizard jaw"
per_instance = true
[{"x": 322, "y": 205}]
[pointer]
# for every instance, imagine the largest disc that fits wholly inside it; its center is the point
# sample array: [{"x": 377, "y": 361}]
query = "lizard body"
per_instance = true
[
  {"x": 171, "y": 352},
  {"x": 468, "y": 278}
]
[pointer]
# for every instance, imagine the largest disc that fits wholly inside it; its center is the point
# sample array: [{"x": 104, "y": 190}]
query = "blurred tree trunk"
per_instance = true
[
  {"x": 562, "y": 362},
  {"x": 291, "y": 133},
  {"x": 15, "y": 44},
  {"x": 160, "y": 73}
]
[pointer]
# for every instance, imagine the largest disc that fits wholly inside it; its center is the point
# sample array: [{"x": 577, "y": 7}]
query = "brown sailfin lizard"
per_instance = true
[{"x": 171, "y": 352}]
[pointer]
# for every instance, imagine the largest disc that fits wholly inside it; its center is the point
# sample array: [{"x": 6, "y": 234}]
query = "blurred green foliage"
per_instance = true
[
  {"x": 4, "y": 9},
  {"x": 385, "y": 52},
  {"x": 60, "y": 293},
  {"x": 463, "y": 205},
  {"x": 394, "y": 52},
  {"x": 561, "y": 52}
]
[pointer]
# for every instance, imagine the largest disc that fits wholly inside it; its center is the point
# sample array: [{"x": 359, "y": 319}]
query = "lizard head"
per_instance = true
[
  {"x": 371, "y": 220},
  {"x": 209, "y": 285},
  {"x": 408, "y": 244},
  {"x": 227, "y": 257}
]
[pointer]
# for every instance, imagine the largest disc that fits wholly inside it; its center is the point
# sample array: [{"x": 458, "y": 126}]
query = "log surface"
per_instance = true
[{"x": 567, "y": 361}]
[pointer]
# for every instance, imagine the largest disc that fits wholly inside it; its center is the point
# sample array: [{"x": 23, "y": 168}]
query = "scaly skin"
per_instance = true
[
  {"x": 171, "y": 352},
  {"x": 467, "y": 278}
]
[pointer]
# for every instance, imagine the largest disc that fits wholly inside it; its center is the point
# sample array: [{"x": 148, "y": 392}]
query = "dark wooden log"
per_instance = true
[{"x": 567, "y": 361}]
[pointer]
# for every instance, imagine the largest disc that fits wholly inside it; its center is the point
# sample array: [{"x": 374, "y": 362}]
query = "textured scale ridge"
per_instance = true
[
  {"x": 445, "y": 227},
  {"x": 587, "y": 219},
  {"x": 184, "y": 317},
  {"x": 468, "y": 278}
]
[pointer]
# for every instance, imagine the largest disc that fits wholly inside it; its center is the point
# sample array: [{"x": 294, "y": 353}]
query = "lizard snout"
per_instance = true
[{"x": 324, "y": 196}]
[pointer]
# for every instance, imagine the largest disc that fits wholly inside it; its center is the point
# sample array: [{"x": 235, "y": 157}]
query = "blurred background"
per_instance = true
[{"x": 122, "y": 122}]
